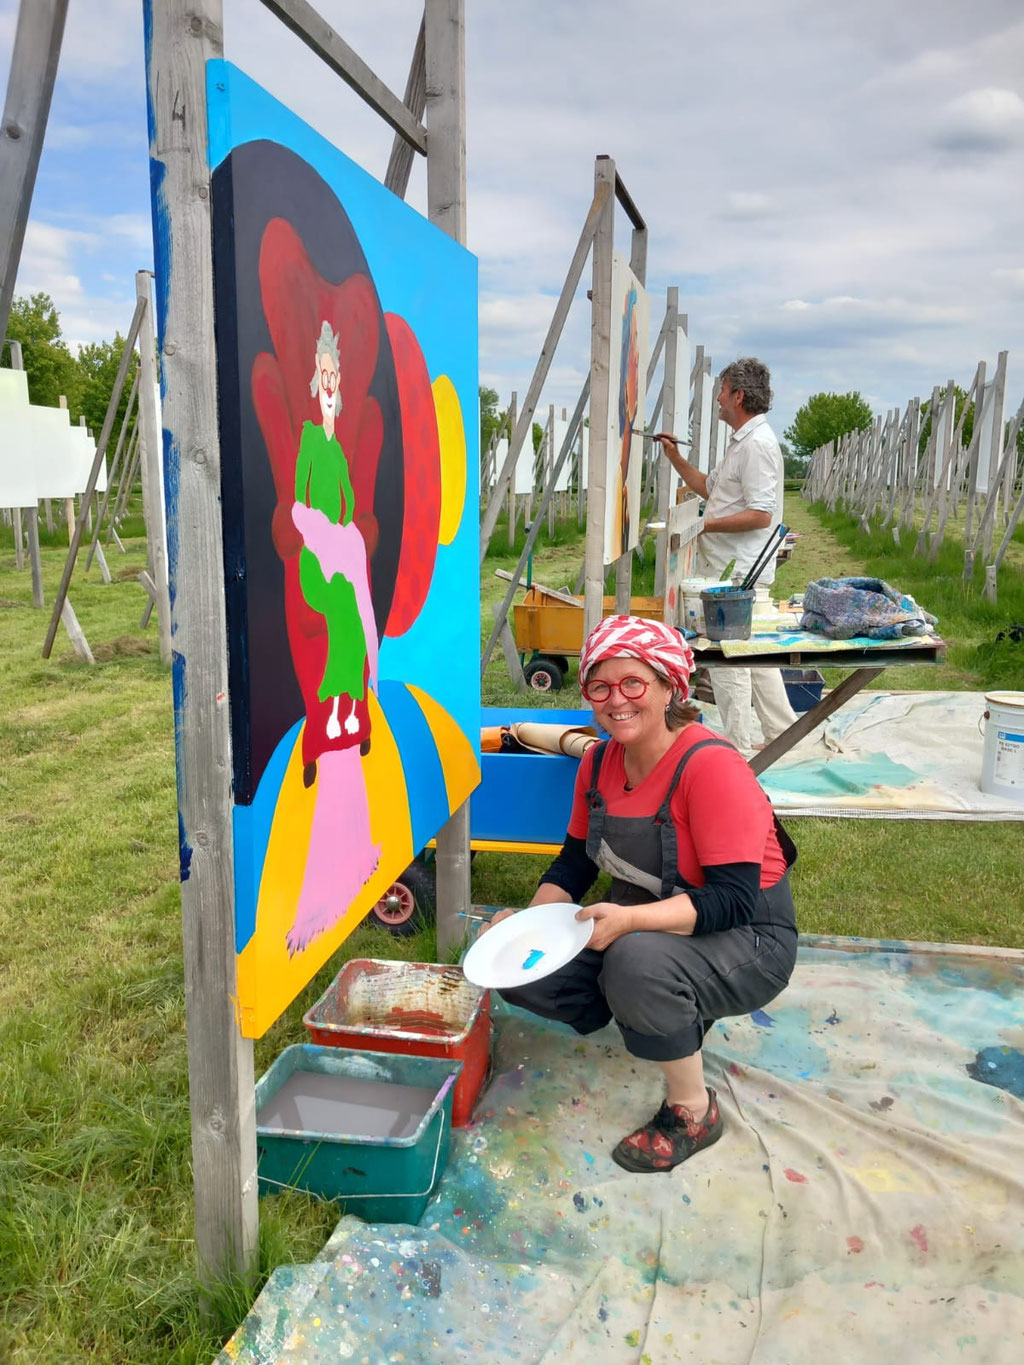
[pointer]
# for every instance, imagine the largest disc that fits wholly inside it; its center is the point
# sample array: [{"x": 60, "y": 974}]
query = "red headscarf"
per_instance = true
[{"x": 633, "y": 637}]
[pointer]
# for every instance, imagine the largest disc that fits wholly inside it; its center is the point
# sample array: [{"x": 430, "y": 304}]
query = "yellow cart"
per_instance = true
[{"x": 548, "y": 629}]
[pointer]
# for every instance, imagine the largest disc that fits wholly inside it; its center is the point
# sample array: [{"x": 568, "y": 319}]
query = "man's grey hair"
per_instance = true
[
  {"x": 751, "y": 376},
  {"x": 327, "y": 344}
]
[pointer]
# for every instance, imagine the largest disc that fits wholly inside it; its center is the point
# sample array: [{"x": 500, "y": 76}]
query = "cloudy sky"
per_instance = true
[{"x": 834, "y": 187}]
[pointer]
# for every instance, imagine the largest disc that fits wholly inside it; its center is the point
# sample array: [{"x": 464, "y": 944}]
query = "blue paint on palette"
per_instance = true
[
  {"x": 761, "y": 1019},
  {"x": 532, "y": 958},
  {"x": 1002, "y": 1067}
]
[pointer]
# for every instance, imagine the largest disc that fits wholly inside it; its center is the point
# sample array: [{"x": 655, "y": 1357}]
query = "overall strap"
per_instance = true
[
  {"x": 663, "y": 814},
  {"x": 594, "y": 798}
]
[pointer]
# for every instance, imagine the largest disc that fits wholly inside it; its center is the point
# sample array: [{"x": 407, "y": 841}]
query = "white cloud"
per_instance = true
[{"x": 987, "y": 120}]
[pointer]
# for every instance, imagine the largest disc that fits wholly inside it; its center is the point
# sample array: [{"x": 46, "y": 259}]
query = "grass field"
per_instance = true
[{"x": 95, "y": 1196}]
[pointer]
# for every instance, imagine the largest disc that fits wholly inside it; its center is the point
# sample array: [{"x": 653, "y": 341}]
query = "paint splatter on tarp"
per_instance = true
[{"x": 900, "y": 1223}]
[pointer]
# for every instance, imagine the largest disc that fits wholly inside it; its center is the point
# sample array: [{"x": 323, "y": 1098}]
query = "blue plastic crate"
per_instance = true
[{"x": 803, "y": 687}]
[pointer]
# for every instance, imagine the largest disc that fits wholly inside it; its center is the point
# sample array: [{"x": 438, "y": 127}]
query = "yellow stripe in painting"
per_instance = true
[
  {"x": 268, "y": 979},
  {"x": 452, "y": 434},
  {"x": 458, "y": 759}
]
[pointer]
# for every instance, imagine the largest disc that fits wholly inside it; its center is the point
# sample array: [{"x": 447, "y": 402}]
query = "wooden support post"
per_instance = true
[
  {"x": 531, "y": 535},
  {"x": 399, "y": 168},
  {"x": 624, "y": 567},
  {"x": 152, "y": 467},
  {"x": 101, "y": 560},
  {"x": 670, "y": 399},
  {"x": 34, "y": 557},
  {"x": 523, "y": 428},
  {"x": 18, "y": 527},
  {"x": 550, "y": 469},
  {"x": 34, "y": 58},
  {"x": 75, "y": 632},
  {"x": 508, "y": 647},
  {"x": 48, "y": 513},
  {"x": 115, "y": 465},
  {"x": 90, "y": 486},
  {"x": 445, "y": 55},
  {"x": 600, "y": 379},
  {"x": 181, "y": 37}
]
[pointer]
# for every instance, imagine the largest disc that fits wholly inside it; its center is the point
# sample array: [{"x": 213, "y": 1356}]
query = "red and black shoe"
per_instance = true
[{"x": 670, "y": 1138}]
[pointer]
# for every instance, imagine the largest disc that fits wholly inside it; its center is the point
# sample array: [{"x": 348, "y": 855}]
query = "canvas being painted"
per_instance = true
[
  {"x": 627, "y": 394},
  {"x": 347, "y": 374}
]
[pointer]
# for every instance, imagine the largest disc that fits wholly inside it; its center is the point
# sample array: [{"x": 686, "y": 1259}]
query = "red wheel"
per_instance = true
[
  {"x": 396, "y": 906},
  {"x": 408, "y": 903}
]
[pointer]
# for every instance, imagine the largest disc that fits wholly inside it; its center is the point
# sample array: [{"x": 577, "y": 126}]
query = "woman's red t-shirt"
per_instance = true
[{"x": 720, "y": 812}]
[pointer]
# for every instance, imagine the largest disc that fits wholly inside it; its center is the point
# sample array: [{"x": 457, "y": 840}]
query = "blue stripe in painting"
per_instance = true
[
  {"x": 424, "y": 775},
  {"x": 251, "y": 826}
]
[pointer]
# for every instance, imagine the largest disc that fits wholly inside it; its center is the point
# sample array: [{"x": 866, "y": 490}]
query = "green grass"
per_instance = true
[{"x": 96, "y": 1256}]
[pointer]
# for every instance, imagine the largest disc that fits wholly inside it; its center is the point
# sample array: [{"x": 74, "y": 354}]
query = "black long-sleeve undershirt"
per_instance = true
[{"x": 727, "y": 899}]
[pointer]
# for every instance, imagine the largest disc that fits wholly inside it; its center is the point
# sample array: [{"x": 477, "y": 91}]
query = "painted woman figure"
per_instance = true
[
  {"x": 334, "y": 580},
  {"x": 332, "y": 563}
]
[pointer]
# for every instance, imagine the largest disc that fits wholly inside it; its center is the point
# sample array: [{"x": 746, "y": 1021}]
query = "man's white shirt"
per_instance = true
[{"x": 750, "y": 478}]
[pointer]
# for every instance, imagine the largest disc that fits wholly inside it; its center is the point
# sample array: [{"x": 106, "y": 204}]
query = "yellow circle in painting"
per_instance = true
[{"x": 452, "y": 432}]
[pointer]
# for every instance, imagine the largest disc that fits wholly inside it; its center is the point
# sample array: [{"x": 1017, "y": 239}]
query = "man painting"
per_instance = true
[{"x": 743, "y": 502}]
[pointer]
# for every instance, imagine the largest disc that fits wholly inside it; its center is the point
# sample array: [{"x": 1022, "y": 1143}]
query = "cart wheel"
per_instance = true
[
  {"x": 562, "y": 662},
  {"x": 543, "y": 675},
  {"x": 409, "y": 903}
]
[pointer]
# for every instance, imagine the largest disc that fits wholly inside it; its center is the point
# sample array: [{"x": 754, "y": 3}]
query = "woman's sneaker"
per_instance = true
[{"x": 670, "y": 1138}]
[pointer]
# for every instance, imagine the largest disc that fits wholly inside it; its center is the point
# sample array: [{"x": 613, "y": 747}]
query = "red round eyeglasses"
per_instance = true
[{"x": 599, "y": 690}]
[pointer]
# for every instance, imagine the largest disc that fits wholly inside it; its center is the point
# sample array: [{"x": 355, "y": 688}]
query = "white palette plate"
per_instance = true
[{"x": 527, "y": 946}]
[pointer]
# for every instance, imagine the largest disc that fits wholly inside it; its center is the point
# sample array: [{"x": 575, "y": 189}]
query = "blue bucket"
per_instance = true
[{"x": 728, "y": 612}]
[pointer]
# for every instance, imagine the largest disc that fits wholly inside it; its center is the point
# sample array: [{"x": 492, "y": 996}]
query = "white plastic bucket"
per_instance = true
[
  {"x": 691, "y": 609},
  {"x": 1002, "y": 762}
]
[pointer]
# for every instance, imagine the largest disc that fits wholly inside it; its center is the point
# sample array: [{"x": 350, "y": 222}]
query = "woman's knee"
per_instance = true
[{"x": 635, "y": 968}]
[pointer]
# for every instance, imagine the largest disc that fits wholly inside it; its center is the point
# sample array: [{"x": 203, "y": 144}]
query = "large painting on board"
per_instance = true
[
  {"x": 347, "y": 378},
  {"x": 627, "y": 392}
]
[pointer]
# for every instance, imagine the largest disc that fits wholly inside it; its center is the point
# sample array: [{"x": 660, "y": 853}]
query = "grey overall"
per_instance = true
[{"x": 662, "y": 989}]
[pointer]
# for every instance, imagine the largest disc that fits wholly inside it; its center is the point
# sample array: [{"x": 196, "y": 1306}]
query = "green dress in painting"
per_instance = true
[{"x": 322, "y": 481}]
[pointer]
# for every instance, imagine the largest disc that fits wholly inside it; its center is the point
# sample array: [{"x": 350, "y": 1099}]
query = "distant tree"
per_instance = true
[
  {"x": 824, "y": 418},
  {"x": 50, "y": 367},
  {"x": 98, "y": 364},
  {"x": 490, "y": 417},
  {"x": 959, "y": 399}
]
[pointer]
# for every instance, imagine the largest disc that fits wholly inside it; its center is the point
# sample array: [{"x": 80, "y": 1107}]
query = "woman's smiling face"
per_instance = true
[{"x": 629, "y": 719}]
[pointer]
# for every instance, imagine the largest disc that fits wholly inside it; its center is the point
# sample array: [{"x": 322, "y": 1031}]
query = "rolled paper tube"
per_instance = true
[{"x": 554, "y": 739}]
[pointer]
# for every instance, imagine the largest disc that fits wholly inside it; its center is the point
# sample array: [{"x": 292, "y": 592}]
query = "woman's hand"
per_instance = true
[
  {"x": 610, "y": 923},
  {"x": 495, "y": 919}
]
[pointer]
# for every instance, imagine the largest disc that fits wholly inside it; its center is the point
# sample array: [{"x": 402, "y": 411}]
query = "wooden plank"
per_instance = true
[
  {"x": 115, "y": 465},
  {"x": 557, "y": 593},
  {"x": 810, "y": 720},
  {"x": 399, "y": 169},
  {"x": 18, "y": 527},
  {"x": 600, "y": 379},
  {"x": 508, "y": 647},
  {"x": 75, "y": 632},
  {"x": 101, "y": 560},
  {"x": 34, "y": 58},
  {"x": 152, "y": 473},
  {"x": 90, "y": 487},
  {"x": 638, "y": 265},
  {"x": 598, "y": 208},
  {"x": 34, "y": 557},
  {"x": 670, "y": 399},
  {"x": 574, "y": 426},
  {"x": 445, "y": 55},
  {"x": 182, "y": 36},
  {"x": 320, "y": 38}
]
